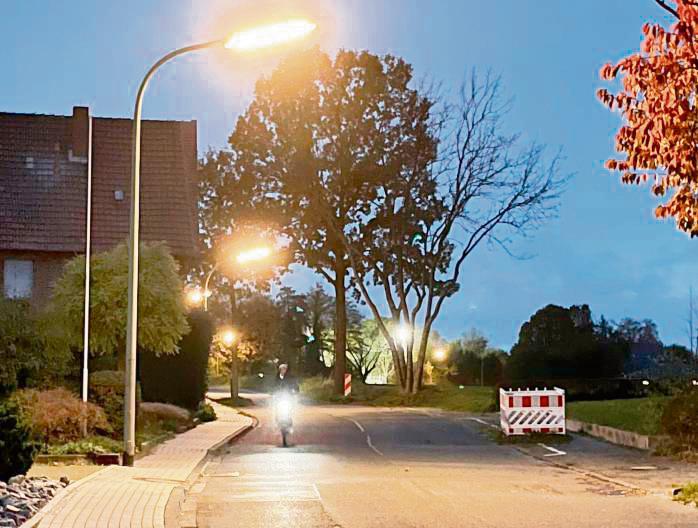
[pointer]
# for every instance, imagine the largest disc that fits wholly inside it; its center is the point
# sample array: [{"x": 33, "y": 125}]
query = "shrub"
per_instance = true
[
  {"x": 206, "y": 413},
  {"x": 87, "y": 446},
  {"x": 26, "y": 358},
  {"x": 58, "y": 415},
  {"x": 17, "y": 448},
  {"x": 163, "y": 412},
  {"x": 107, "y": 391},
  {"x": 680, "y": 420},
  {"x": 180, "y": 379}
]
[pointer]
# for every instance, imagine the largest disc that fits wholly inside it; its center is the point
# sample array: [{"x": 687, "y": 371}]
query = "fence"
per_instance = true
[{"x": 527, "y": 411}]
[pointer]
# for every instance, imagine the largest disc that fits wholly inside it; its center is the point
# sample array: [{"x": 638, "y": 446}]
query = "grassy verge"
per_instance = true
[
  {"x": 640, "y": 415},
  {"x": 446, "y": 396},
  {"x": 688, "y": 494}
]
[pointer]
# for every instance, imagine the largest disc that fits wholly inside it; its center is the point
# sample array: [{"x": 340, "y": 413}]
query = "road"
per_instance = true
[{"x": 360, "y": 467}]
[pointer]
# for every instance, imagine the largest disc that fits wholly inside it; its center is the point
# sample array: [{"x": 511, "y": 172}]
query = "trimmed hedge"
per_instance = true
[
  {"x": 180, "y": 379},
  {"x": 17, "y": 449}
]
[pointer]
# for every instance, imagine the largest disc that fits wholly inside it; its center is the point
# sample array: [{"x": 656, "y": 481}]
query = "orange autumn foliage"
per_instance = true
[{"x": 658, "y": 99}]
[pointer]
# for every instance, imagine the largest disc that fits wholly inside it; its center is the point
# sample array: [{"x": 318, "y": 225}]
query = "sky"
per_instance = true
[{"x": 605, "y": 249}]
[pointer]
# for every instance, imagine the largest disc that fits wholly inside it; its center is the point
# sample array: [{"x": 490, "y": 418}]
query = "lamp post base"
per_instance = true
[{"x": 126, "y": 459}]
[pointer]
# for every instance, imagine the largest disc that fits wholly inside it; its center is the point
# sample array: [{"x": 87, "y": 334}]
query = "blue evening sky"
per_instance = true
[{"x": 606, "y": 249}]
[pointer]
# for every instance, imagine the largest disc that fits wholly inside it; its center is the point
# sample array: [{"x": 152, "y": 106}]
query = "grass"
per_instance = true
[
  {"x": 640, "y": 415},
  {"x": 92, "y": 444},
  {"x": 688, "y": 494},
  {"x": 444, "y": 396}
]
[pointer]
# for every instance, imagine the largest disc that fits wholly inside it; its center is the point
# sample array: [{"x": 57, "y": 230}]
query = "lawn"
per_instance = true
[
  {"x": 641, "y": 415},
  {"x": 445, "y": 396}
]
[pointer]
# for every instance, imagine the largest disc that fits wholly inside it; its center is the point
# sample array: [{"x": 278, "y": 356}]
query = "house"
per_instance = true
[{"x": 43, "y": 192}]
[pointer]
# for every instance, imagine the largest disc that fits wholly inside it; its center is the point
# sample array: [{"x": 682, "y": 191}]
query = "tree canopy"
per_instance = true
[
  {"x": 656, "y": 98},
  {"x": 161, "y": 313}
]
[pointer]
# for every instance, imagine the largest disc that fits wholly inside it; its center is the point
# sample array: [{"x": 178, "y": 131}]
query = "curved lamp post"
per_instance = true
[
  {"x": 260, "y": 37},
  {"x": 242, "y": 258}
]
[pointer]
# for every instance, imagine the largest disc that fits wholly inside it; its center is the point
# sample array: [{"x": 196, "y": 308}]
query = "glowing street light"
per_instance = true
[
  {"x": 260, "y": 37},
  {"x": 195, "y": 297},
  {"x": 253, "y": 255},
  {"x": 439, "y": 354},
  {"x": 228, "y": 337},
  {"x": 270, "y": 35},
  {"x": 403, "y": 334}
]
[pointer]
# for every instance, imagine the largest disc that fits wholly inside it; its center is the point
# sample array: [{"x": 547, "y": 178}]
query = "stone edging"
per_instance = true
[{"x": 615, "y": 436}]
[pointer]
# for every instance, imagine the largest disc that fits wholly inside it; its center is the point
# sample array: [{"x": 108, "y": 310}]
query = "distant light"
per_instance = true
[
  {"x": 261, "y": 374},
  {"x": 694, "y": 382},
  {"x": 461, "y": 387},
  {"x": 253, "y": 255},
  {"x": 439, "y": 354},
  {"x": 645, "y": 382},
  {"x": 270, "y": 35},
  {"x": 194, "y": 297},
  {"x": 228, "y": 337},
  {"x": 402, "y": 333}
]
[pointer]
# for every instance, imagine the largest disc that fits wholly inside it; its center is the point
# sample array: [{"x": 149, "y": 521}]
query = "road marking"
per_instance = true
[
  {"x": 368, "y": 437},
  {"x": 483, "y": 422},
  {"x": 553, "y": 451},
  {"x": 357, "y": 424}
]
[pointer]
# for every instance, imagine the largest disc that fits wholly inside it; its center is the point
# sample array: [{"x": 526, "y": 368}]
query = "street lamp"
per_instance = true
[
  {"x": 250, "y": 39},
  {"x": 242, "y": 258},
  {"x": 439, "y": 354}
]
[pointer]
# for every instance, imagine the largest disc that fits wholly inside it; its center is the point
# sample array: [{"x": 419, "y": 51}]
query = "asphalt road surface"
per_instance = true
[{"x": 360, "y": 467}]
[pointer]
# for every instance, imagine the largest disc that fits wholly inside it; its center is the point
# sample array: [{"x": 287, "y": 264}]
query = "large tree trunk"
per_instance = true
[
  {"x": 340, "y": 327},
  {"x": 421, "y": 356}
]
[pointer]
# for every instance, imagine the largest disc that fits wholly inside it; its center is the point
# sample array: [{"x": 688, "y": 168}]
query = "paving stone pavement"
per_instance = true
[{"x": 119, "y": 497}]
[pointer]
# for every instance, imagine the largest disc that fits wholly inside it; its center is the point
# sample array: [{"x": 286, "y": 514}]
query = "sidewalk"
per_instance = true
[{"x": 118, "y": 497}]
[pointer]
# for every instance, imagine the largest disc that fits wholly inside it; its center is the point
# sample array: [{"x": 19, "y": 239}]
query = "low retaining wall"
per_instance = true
[{"x": 615, "y": 436}]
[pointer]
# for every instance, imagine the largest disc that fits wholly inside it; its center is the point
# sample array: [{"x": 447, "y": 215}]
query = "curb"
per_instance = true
[
  {"x": 587, "y": 473},
  {"x": 615, "y": 436}
]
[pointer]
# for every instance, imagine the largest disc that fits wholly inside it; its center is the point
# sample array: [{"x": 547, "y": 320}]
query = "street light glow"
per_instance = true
[
  {"x": 253, "y": 255},
  {"x": 228, "y": 337},
  {"x": 402, "y": 334},
  {"x": 439, "y": 354},
  {"x": 270, "y": 35},
  {"x": 195, "y": 297}
]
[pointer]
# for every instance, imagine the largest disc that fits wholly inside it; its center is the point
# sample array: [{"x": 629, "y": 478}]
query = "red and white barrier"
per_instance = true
[
  {"x": 527, "y": 411},
  {"x": 347, "y": 385}
]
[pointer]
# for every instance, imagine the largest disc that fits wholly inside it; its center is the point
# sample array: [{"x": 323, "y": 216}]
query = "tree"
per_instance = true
[
  {"x": 161, "y": 314},
  {"x": 458, "y": 180},
  {"x": 319, "y": 308},
  {"x": 320, "y": 133},
  {"x": 555, "y": 344},
  {"x": 366, "y": 347},
  {"x": 657, "y": 101}
]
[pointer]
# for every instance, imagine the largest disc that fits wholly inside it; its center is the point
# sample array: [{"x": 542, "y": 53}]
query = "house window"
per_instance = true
[{"x": 18, "y": 278}]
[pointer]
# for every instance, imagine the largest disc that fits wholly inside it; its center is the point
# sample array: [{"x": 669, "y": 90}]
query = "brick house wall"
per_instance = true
[{"x": 43, "y": 184}]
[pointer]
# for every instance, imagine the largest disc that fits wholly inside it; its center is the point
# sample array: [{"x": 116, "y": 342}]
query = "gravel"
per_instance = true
[{"x": 21, "y": 497}]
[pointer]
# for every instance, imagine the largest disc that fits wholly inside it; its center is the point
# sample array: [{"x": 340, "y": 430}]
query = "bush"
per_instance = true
[
  {"x": 180, "y": 379},
  {"x": 163, "y": 412},
  {"x": 87, "y": 446},
  {"x": 107, "y": 391},
  {"x": 17, "y": 448},
  {"x": 680, "y": 420},
  {"x": 26, "y": 358},
  {"x": 205, "y": 413},
  {"x": 58, "y": 415}
]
